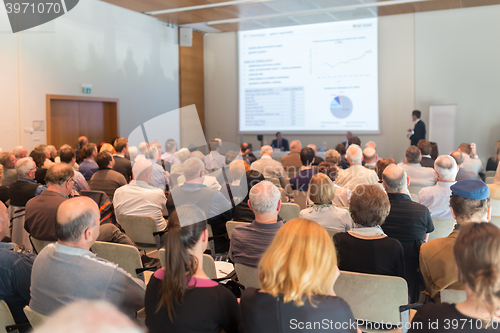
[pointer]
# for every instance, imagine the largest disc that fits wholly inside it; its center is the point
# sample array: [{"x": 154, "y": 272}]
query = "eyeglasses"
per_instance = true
[{"x": 71, "y": 180}]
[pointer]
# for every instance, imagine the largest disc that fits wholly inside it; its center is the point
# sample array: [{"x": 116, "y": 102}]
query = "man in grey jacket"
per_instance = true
[{"x": 67, "y": 271}]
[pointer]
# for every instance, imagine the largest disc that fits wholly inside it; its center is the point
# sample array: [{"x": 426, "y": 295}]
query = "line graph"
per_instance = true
[{"x": 347, "y": 61}]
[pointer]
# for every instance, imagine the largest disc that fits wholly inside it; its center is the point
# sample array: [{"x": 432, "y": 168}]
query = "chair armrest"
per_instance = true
[
  {"x": 11, "y": 328},
  {"x": 403, "y": 308}
]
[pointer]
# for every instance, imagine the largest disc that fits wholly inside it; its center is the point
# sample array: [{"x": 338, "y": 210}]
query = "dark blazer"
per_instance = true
[
  {"x": 123, "y": 166},
  {"x": 41, "y": 215},
  {"x": 418, "y": 133},
  {"x": 284, "y": 144},
  {"x": 427, "y": 162}
]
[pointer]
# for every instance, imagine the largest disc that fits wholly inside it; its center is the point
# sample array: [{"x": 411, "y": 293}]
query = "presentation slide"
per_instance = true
[{"x": 309, "y": 78}]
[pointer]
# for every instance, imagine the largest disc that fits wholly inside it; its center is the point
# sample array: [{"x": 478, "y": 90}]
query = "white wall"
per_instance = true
[
  {"x": 441, "y": 57},
  {"x": 124, "y": 54}
]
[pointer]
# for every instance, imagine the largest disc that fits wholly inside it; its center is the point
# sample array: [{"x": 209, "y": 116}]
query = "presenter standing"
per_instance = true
[
  {"x": 418, "y": 131},
  {"x": 280, "y": 143}
]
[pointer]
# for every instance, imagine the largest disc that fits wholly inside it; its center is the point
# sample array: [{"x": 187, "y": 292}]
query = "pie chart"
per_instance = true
[{"x": 341, "y": 107}]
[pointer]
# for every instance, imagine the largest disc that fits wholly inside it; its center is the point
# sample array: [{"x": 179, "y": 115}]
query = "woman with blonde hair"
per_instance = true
[
  {"x": 296, "y": 275},
  {"x": 477, "y": 255},
  {"x": 322, "y": 193},
  {"x": 493, "y": 161}
]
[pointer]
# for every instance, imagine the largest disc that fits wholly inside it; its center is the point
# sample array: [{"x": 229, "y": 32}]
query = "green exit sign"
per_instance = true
[{"x": 86, "y": 88}]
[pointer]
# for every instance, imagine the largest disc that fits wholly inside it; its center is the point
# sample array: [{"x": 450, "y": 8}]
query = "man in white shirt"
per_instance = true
[
  {"x": 266, "y": 165},
  {"x": 472, "y": 162},
  {"x": 214, "y": 160},
  {"x": 437, "y": 198},
  {"x": 356, "y": 174},
  {"x": 419, "y": 175},
  {"x": 140, "y": 198},
  {"x": 209, "y": 181},
  {"x": 168, "y": 156}
]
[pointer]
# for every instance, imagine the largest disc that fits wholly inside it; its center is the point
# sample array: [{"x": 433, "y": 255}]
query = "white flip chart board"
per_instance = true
[{"x": 442, "y": 127}]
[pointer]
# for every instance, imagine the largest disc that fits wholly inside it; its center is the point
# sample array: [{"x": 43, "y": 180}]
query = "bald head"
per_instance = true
[
  {"x": 74, "y": 216},
  {"x": 370, "y": 155},
  {"x": 143, "y": 147},
  {"x": 59, "y": 174},
  {"x": 394, "y": 179},
  {"x": 354, "y": 154},
  {"x": 296, "y": 146},
  {"x": 142, "y": 170},
  {"x": 459, "y": 158},
  {"x": 20, "y": 152}
]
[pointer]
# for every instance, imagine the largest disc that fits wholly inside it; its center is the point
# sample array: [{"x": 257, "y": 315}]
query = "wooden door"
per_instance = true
[{"x": 69, "y": 119}]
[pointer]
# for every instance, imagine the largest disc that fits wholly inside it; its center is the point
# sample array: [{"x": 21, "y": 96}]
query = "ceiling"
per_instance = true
[{"x": 233, "y": 15}]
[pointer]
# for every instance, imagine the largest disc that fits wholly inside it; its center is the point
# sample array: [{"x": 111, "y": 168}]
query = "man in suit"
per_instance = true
[
  {"x": 418, "y": 131},
  {"x": 348, "y": 136},
  {"x": 122, "y": 163},
  {"x": 291, "y": 162},
  {"x": 280, "y": 142}
]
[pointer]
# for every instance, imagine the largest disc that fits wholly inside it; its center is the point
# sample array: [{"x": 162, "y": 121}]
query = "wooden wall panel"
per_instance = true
[
  {"x": 191, "y": 76},
  {"x": 92, "y": 121},
  {"x": 64, "y": 115}
]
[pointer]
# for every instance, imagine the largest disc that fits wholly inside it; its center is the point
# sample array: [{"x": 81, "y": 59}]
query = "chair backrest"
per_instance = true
[
  {"x": 139, "y": 228},
  {"x": 414, "y": 189},
  {"x": 284, "y": 198},
  {"x": 332, "y": 232},
  {"x": 230, "y": 226},
  {"x": 6, "y": 318},
  {"x": 38, "y": 245},
  {"x": 490, "y": 174},
  {"x": 495, "y": 207},
  {"x": 374, "y": 298},
  {"x": 489, "y": 180},
  {"x": 18, "y": 234},
  {"x": 442, "y": 228},
  {"x": 248, "y": 276},
  {"x": 452, "y": 296},
  {"x": 289, "y": 211},
  {"x": 495, "y": 219},
  {"x": 300, "y": 198},
  {"x": 35, "y": 318},
  {"x": 125, "y": 256},
  {"x": 209, "y": 266},
  {"x": 275, "y": 181}
]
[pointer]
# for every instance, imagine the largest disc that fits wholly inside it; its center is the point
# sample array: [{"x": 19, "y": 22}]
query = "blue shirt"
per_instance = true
[
  {"x": 15, "y": 278},
  {"x": 88, "y": 168}
]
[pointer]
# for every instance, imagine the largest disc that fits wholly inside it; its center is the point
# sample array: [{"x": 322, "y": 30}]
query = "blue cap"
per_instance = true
[{"x": 471, "y": 189}]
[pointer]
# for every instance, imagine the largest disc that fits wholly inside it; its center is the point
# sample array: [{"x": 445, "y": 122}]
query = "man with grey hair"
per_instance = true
[
  {"x": 8, "y": 160},
  {"x": 409, "y": 222},
  {"x": 25, "y": 187},
  {"x": 168, "y": 155},
  {"x": 370, "y": 157},
  {"x": 356, "y": 174},
  {"x": 214, "y": 160},
  {"x": 53, "y": 152},
  {"x": 182, "y": 155},
  {"x": 292, "y": 162},
  {"x": 267, "y": 166},
  {"x": 333, "y": 156},
  {"x": 437, "y": 198},
  {"x": 462, "y": 173},
  {"x": 210, "y": 201},
  {"x": 209, "y": 180},
  {"x": 160, "y": 176},
  {"x": 419, "y": 175},
  {"x": 20, "y": 152},
  {"x": 67, "y": 271},
  {"x": 249, "y": 242}
]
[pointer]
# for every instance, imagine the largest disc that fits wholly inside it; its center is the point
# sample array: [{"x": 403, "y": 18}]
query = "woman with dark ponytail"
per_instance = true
[
  {"x": 477, "y": 254},
  {"x": 180, "y": 297}
]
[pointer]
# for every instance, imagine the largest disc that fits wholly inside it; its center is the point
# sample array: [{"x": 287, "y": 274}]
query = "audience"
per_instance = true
[
  {"x": 214, "y": 160},
  {"x": 317, "y": 159},
  {"x": 437, "y": 198},
  {"x": 8, "y": 160},
  {"x": 21, "y": 152},
  {"x": 419, "y": 175},
  {"x": 242, "y": 211},
  {"x": 344, "y": 163},
  {"x": 122, "y": 163},
  {"x": 38, "y": 157},
  {"x": 4, "y": 190},
  {"x": 15, "y": 272},
  {"x": 52, "y": 153},
  {"x": 477, "y": 255},
  {"x": 67, "y": 156},
  {"x": 67, "y": 271},
  {"x": 342, "y": 194},
  {"x": 322, "y": 193},
  {"x": 106, "y": 179},
  {"x": 168, "y": 155},
  {"x": 370, "y": 158},
  {"x": 57, "y": 160},
  {"x": 300, "y": 181},
  {"x": 381, "y": 165},
  {"x": 462, "y": 173},
  {"x": 247, "y": 154},
  {"x": 409, "y": 222},
  {"x": 291, "y": 162},
  {"x": 267, "y": 166},
  {"x": 212, "y": 202},
  {"x": 88, "y": 166},
  {"x": 333, "y": 156},
  {"x": 425, "y": 150},
  {"x": 25, "y": 187},
  {"x": 236, "y": 171},
  {"x": 80, "y": 151},
  {"x": 209, "y": 180},
  {"x": 180, "y": 297},
  {"x": 296, "y": 274},
  {"x": 366, "y": 248},
  {"x": 280, "y": 143},
  {"x": 472, "y": 162},
  {"x": 356, "y": 174},
  {"x": 249, "y": 242},
  {"x": 159, "y": 177},
  {"x": 469, "y": 203},
  {"x": 48, "y": 162},
  {"x": 492, "y": 161},
  {"x": 140, "y": 198}
]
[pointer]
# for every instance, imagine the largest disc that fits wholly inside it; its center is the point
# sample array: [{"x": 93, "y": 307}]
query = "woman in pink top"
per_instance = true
[{"x": 180, "y": 297}]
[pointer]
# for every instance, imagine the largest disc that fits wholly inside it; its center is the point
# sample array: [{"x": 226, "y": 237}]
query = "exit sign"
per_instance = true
[{"x": 86, "y": 88}]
